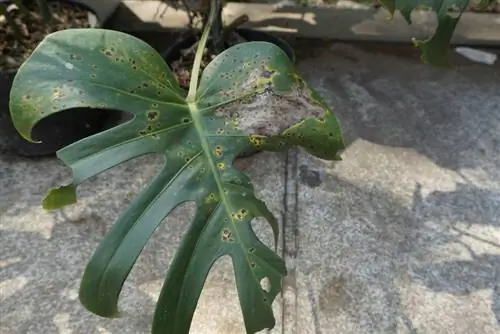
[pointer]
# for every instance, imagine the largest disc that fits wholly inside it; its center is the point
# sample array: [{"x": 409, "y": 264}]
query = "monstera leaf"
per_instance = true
[
  {"x": 249, "y": 98},
  {"x": 434, "y": 50}
]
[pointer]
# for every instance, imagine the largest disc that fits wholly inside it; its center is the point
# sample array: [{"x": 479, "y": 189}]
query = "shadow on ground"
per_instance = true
[
  {"x": 378, "y": 247},
  {"x": 401, "y": 236},
  {"x": 468, "y": 205}
]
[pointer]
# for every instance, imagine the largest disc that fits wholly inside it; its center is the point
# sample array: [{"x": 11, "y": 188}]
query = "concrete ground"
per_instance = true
[{"x": 402, "y": 236}]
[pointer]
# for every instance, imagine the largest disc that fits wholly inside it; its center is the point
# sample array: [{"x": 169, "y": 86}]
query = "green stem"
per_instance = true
[
  {"x": 217, "y": 29},
  {"x": 195, "y": 71}
]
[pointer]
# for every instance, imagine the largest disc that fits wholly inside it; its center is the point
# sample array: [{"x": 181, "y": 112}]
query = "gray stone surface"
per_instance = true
[{"x": 402, "y": 236}]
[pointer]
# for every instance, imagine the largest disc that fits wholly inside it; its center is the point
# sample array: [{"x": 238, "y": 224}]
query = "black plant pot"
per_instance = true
[
  {"x": 173, "y": 53},
  {"x": 61, "y": 129}
]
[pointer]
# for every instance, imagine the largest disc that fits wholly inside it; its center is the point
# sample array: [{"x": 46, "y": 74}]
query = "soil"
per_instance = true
[
  {"x": 182, "y": 67},
  {"x": 14, "y": 50}
]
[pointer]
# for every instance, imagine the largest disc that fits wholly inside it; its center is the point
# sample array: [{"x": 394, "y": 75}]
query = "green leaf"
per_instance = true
[
  {"x": 60, "y": 197},
  {"x": 434, "y": 50},
  {"x": 483, "y": 4},
  {"x": 249, "y": 99}
]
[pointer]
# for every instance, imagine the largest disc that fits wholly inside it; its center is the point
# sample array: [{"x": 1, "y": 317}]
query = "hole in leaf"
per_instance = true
[{"x": 265, "y": 284}]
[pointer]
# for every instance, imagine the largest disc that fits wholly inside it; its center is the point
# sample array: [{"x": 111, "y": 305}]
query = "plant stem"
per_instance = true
[
  {"x": 195, "y": 70},
  {"x": 217, "y": 29}
]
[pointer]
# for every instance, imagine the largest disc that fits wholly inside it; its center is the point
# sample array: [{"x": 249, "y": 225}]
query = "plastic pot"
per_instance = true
[{"x": 60, "y": 129}]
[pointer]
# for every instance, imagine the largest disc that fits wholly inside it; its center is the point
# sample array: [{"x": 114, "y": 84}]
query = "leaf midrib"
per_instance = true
[{"x": 198, "y": 123}]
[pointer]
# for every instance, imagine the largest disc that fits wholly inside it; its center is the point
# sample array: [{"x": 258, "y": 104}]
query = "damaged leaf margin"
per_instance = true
[{"x": 269, "y": 102}]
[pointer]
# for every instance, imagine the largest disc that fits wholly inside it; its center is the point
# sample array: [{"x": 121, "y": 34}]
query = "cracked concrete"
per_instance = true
[{"x": 402, "y": 236}]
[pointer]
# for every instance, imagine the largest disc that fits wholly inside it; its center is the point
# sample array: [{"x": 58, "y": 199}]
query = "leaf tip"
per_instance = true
[
  {"x": 97, "y": 307},
  {"x": 59, "y": 197}
]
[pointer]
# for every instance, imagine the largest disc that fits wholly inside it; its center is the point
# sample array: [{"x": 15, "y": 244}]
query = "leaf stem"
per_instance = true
[{"x": 195, "y": 71}]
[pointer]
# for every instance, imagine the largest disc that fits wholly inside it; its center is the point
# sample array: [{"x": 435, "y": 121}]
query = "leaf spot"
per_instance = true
[
  {"x": 267, "y": 73},
  {"x": 69, "y": 66},
  {"x": 218, "y": 152},
  {"x": 152, "y": 115},
  {"x": 237, "y": 215},
  {"x": 226, "y": 234}
]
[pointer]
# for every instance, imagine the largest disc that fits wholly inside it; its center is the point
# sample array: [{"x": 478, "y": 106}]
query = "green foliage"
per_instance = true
[
  {"x": 241, "y": 91},
  {"x": 434, "y": 50}
]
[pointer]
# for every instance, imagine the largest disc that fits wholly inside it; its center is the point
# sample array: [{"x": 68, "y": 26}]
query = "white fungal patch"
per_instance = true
[
  {"x": 69, "y": 66},
  {"x": 269, "y": 114}
]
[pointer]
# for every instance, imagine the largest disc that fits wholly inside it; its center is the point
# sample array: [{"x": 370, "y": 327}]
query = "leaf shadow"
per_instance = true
[
  {"x": 473, "y": 207},
  {"x": 378, "y": 245}
]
